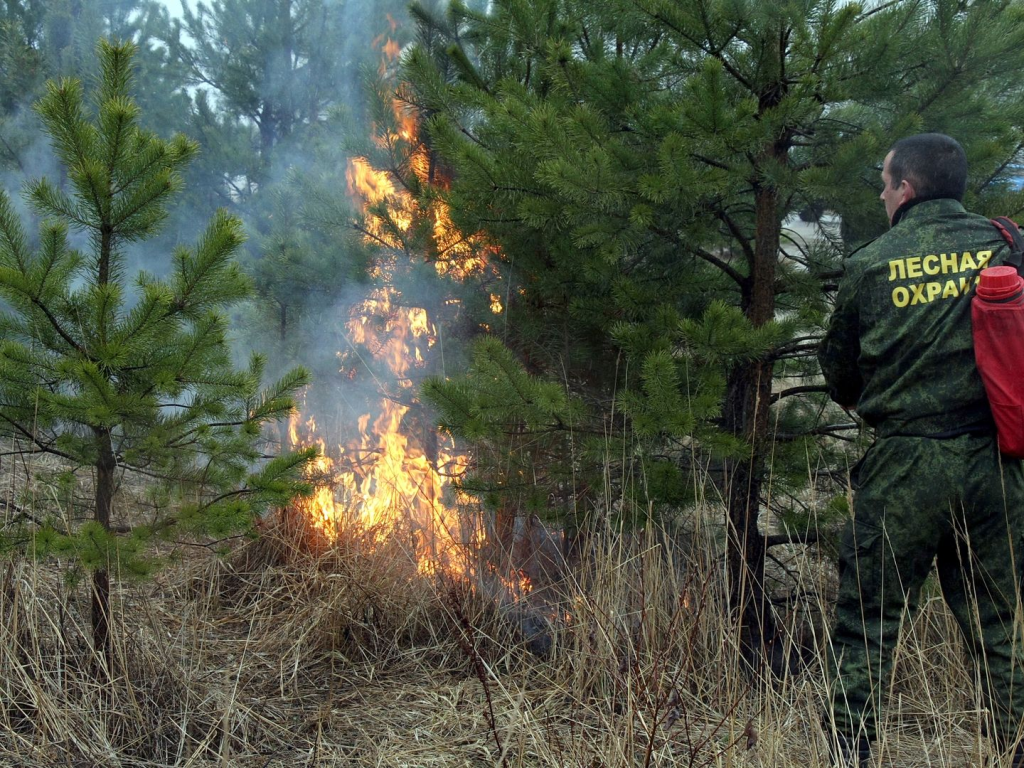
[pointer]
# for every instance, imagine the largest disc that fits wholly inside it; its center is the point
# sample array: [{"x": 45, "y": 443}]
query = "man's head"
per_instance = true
[{"x": 927, "y": 165}]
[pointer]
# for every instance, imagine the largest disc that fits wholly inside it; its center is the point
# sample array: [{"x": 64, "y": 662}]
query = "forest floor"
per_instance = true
[
  {"x": 282, "y": 651},
  {"x": 271, "y": 655}
]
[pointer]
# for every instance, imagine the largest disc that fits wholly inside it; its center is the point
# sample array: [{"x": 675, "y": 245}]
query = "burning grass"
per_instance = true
[{"x": 282, "y": 653}]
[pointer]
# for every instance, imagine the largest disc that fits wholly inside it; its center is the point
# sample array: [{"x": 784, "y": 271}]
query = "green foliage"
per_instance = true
[
  {"x": 278, "y": 63},
  {"x": 40, "y": 40},
  {"x": 636, "y": 162},
  {"x": 130, "y": 373},
  {"x": 276, "y": 106},
  {"x": 274, "y": 81},
  {"x": 509, "y": 415}
]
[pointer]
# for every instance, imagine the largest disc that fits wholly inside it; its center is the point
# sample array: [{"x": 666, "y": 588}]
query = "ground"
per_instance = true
[{"x": 276, "y": 653}]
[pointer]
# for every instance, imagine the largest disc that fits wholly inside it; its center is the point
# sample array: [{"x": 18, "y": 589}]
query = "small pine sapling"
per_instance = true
[{"x": 120, "y": 372}]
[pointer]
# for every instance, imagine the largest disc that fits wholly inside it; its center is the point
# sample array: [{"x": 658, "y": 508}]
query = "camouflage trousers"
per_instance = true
[{"x": 954, "y": 502}]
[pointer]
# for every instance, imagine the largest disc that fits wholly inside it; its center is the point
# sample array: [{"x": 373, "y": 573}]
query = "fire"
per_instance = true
[
  {"x": 519, "y": 584},
  {"x": 457, "y": 255},
  {"x": 363, "y": 180},
  {"x": 389, "y": 47},
  {"x": 383, "y": 484},
  {"x": 389, "y": 479}
]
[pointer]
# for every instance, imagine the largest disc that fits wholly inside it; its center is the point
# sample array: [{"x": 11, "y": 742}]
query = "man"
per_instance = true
[{"x": 933, "y": 486}]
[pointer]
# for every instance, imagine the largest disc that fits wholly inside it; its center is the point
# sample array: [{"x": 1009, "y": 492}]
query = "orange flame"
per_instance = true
[{"x": 383, "y": 481}]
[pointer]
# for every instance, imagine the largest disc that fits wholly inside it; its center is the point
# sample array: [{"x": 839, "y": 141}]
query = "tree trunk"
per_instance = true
[
  {"x": 746, "y": 415},
  {"x": 105, "y": 468},
  {"x": 283, "y": 432},
  {"x": 504, "y": 532},
  {"x": 748, "y": 393}
]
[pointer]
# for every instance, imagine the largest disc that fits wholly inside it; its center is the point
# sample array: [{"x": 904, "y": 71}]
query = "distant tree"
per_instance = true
[
  {"x": 278, "y": 68},
  {"x": 121, "y": 372},
  {"x": 57, "y": 38},
  {"x": 22, "y": 72},
  {"x": 635, "y": 162},
  {"x": 309, "y": 268},
  {"x": 277, "y": 95}
]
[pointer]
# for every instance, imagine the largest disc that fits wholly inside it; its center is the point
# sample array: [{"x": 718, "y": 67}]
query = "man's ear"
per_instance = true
[{"x": 907, "y": 191}]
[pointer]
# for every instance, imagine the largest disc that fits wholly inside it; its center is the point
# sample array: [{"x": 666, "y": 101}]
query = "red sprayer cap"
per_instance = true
[{"x": 999, "y": 284}]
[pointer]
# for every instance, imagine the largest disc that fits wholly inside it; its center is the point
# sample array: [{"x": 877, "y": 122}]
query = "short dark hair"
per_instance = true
[{"x": 934, "y": 163}]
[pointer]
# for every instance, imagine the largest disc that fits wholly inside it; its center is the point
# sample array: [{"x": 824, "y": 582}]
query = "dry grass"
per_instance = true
[{"x": 283, "y": 654}]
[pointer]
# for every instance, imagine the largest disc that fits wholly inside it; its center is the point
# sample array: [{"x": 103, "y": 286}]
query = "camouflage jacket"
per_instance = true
[{"x": 899, "y": 346}]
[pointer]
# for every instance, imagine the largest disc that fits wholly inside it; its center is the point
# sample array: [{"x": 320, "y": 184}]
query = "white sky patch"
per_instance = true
[{"x": 174, "y": 7}]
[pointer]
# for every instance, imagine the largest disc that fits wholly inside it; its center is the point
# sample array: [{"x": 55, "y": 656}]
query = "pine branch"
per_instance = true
[
  {"x": 32, "y": 437},
  {"x": 1011, "y": 157},
  {"x": 743, "y": 240},
  {"x": 718, "y": 52},
  {"x": 807, "y": 350},
  {"x": 722, "y": 265},
  {"x": 707, "y": 256},
  {"x": 835, "y": 430},
  {"x": 804, "y": 537},
  {"x": 13, "y": 155},
  {"x": 801, "y": 390},
  {"x": 55, "y": 324},
  {"x": 884, "y": 7},
  {"x": 712, "y": 162}
]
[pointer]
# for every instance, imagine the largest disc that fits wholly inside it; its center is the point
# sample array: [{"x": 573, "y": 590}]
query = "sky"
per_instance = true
[{"x": 174, "y": 6}]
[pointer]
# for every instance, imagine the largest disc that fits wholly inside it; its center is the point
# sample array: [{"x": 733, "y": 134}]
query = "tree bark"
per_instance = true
[
  {"x": 283, "y": 432},
  {"x": 746, "y": 415},
  {"x": 105, "y": 468}
]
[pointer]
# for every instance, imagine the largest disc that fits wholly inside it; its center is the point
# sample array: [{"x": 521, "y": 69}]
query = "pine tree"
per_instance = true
[
  {"x": 636, "y": 160},
  {"x": 277, "y": 68},
  {"x": 22, "y": 72},
  {"x": 126, "y": 373},
  {"x": 305, "y": 274},
  {"x": 39, "y": 40},
  {"x": 277, "y": 100}
]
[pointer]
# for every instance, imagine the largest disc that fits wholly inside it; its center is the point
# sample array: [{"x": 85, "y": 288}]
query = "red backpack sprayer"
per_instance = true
[{"x": 997, "y": 317}]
